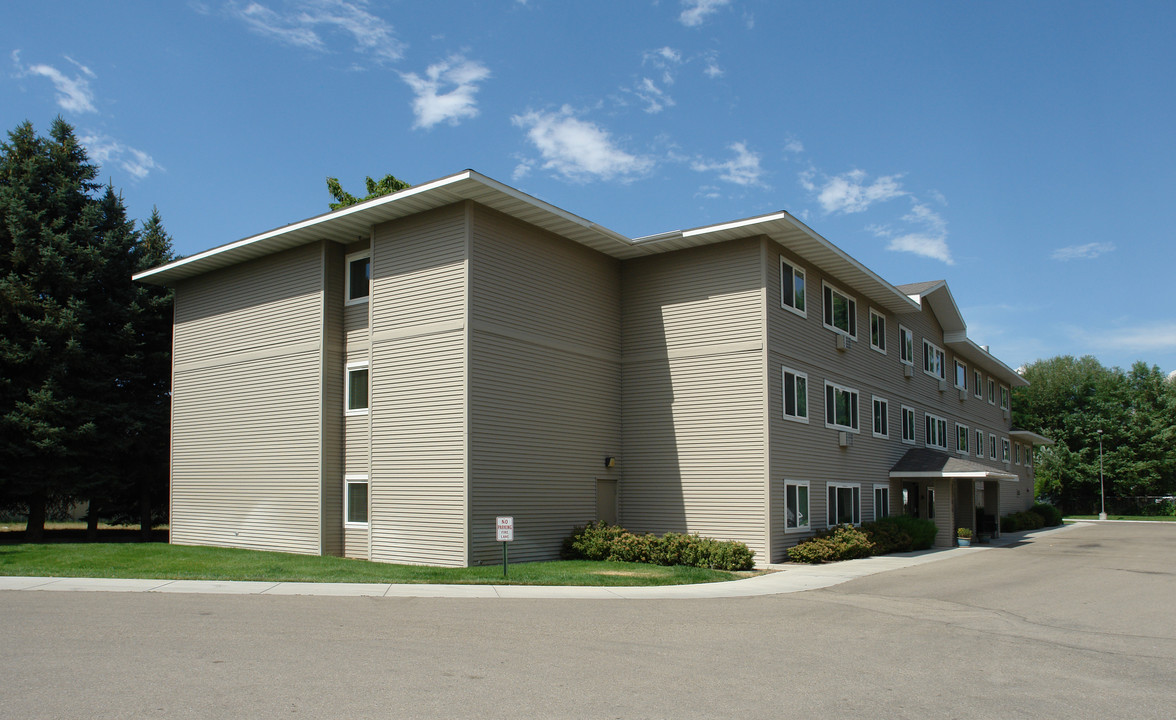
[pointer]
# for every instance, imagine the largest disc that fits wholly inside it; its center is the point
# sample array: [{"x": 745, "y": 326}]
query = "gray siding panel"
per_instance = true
[{"x": 332, "y": 402}]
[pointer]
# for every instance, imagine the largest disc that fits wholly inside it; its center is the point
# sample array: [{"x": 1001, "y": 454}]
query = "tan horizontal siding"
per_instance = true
[
  {"x": 418, "y": 270},
  {"x": 355, "y": 324},
  {"x": 355, "y": 543},
  {"x": 332, "y": 402}
]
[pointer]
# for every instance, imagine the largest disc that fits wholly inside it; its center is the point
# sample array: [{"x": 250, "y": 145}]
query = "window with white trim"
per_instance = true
[
  {"x": 1004, "y": 398},
  {"x": 933, "y": 360},
  {"x": 979, "y": 443},
  {"x": 841, "y": 407},
  {"x": 359, "y": 277},
  {"x": 881, "y": 417},
  {"x": 355, "y": 501},
  {"x": 908, "y": 424},
  {"x": 357, "y": 388},
  {"x": 961, "y": 375},
  {"x": 1028, "y": 456},
  {"x": 840, "y": 311},
  {"x": 845, "y": 504},
  {"x": 1004, "y": 449},
  {"x": 792, "y": 287},
  {"x": 962, "y": 439},
  {"x": 881, "y": 501},
  {"x": 1016, "y": 453},
  {"x": 977, "y": 384},
  {"x": 931, "y": 503},
  {"x": 795, "y": 395},
  {"x": 877, "y": 331},
  {"x": 796, "y": 505},
  {"x": 991, "y": 446},
  {"x": 991, "y": 391},
  {"x": 936, "y": 429},
  {"x": 906, "y": 345}
]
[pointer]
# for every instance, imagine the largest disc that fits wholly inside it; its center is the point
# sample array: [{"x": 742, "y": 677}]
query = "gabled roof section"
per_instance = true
[{"x": 928, "y": 463}]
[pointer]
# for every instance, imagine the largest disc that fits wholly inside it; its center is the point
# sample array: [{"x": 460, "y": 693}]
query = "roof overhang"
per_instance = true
[
  {"x": 976, "y": 355},
  {"x": 1027, "y": 436},
  {"x": 925, "y": 463}
]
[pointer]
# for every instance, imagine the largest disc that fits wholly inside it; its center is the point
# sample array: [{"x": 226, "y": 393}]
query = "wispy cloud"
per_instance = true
[
  {"x": 653, "y": 92},
  {"x": 793, "y": 146},
  {"x": 300, "y": 23},
  {"x": 925, "y": 234},
  {"x": 73, "y": 93},
  {"x": 1082, "y": 252},
  {"x": 106, "y": 150},
  {"x": 850, "y": 192},
  {"x": 1159, "y": 336},
  {"x": 743, "y": 169},
  {"x": 577, "y": 149},
  {"x": 446, "y": 92},
  {"x": 712, "y": 69},
  {"x": 695, "y": 12}
]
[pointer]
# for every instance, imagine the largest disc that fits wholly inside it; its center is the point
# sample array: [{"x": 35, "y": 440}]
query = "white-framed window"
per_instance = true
[
  {"x": 841, "y": 407},
  {"x": 991, "y": 391},
  {"x": 908, "y": 424},
  {"x": 991, "y": 446},
  {"x": 979, "y": 443},
  {"x": 881, "y": 417},
  {"x": 795, "y": 395},
  {"x": 792, "y": 287},
  {"x": 356, "y": 388},
  {"x": 906, "y": 345},
  {"x": 840, "y": 311},
  {"x": 977, "y": 384},
  {"x": 1004, "y": 398},
  {"x": 931, "y": 503},
  {"x": 1028, "y": 456},
  {"x": 877, "y": 331},
  {"x": 881, "y": 501},
  {"x": 359, "y": 277},
  {"x": 962, "y": 439},
  {"x": 796, "y": 505},
  {"x": 355, "y": 501},
  {"x": 845, "y": 503},
  {"x": 933, "y": 360},
  {"x": 961, "y": 375},
  {"x": 1004, "y": 449},
  {"x": 1016, "y": 453},
  {"x": 936, "y": 429}
]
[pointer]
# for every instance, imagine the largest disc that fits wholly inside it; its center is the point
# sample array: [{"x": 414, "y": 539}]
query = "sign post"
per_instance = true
[{"x": 504, "y": 532}]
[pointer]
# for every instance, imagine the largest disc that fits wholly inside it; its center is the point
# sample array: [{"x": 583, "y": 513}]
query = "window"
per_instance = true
[
  {"x": 1004, "y": 398},
  {"x": 992, "y": 447},
  {"x": 1028, "y": 456},
  {"x": 933, "y": 360},
  {"x": 840, "y": 311},
  {"x": 881, "y": 501},
  {"x": 881, "y": 421},
  {"x": 991, "y": 391},
  {"x": 906, "y": 346},
  {"x": 841, "y": 407},
  {"x": 977, "y": 384},
  {"x": 796, "y": 505},
  {"x": 845, "y": 504},
  {"x": 1017, "y": 453},
  {"x": 936, "y": 428},
  {"x": 961, "y": 379},
  {"x": 795, "y": 395},
  {"x": 877, "y": 331},
  {"x": 908, "y": 424},
  {"x": 357, "y": 388},
  {"x": 962, "y": 439},
  {"x": 359, "y": 277},
  {"x": 355, "y": 501},
  {"x": 979, "y": 443},
  {"x": 931, "y": 503},
  {"x": 1004, "y": 449},
  {"x": 792, "y": 287}
]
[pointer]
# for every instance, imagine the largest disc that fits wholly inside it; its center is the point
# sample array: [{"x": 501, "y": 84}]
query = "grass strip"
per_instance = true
[{"x": 1152, "y": 518}]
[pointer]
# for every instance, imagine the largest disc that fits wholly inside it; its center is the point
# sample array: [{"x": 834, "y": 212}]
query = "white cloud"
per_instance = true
[
  {"x": 792, "y": 145},
  {"x": 105, "y": 150},
  {"x": 1144, "y": 338},
  {"x": 577, "y": 149},
  {"x": 73, "y": 93},
  {"x": 655, "y": 98},
  {"x": 849, "y": 192},
  {"x": 300, "y": 21},
  {"x": 696, "y": 11},
  {"x": 743, "y": 169},
  {"x": 928, "y": 237},
  {"x": 431, "y": 105},
  {"x": 712, "y": 69},
  {"x": 1082, "y": 252}
]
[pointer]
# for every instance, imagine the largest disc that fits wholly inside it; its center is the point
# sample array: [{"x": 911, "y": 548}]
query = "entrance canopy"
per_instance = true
[{"x": 925, "y": 463}]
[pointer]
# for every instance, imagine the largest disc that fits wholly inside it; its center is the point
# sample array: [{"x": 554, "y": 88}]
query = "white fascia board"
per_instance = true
[
  {"x": 1031, "y": 437},
  {"x": 939, "y": 474}
]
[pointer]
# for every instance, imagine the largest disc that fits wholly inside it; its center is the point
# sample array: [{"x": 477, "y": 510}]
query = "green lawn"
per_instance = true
[
  {"x": 158, "y": 560},
  {"x": 1156, "y": 518}
]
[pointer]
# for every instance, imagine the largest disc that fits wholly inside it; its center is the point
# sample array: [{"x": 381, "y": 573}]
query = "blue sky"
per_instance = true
[{"x": 1023, "y": 151}]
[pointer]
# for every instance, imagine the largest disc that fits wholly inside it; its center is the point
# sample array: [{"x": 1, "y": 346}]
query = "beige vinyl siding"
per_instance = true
[
  {"x": 418, "y": 390},
  {"x": 247, "y": 467},
  {"x": 332, "y": 402},
  {"x": 355, "y": 543},
  {"x": 693, "y": 394},
  {"x": 355, "y": 325},
  {"x": 544, "y": 384}
]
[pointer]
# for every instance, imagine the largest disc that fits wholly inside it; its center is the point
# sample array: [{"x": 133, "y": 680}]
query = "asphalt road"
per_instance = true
[{"x": 1080, "y": 624}]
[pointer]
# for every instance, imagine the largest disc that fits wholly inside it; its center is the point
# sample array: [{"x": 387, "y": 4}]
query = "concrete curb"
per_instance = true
[{"x": 787, "y": 579}]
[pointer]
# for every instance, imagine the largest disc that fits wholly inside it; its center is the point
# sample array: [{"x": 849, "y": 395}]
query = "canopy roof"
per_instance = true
[{"x": 928, "y": 463}]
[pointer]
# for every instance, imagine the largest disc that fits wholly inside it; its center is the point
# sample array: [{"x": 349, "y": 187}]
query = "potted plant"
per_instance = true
[{"x": 964, "y": 535}]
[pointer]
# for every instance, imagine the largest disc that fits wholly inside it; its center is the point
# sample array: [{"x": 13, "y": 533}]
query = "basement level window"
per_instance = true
[{"x": 355, "y": 500}]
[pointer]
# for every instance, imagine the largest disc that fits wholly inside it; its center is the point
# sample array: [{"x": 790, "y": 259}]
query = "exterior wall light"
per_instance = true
[{"x": 610, "y": 461}]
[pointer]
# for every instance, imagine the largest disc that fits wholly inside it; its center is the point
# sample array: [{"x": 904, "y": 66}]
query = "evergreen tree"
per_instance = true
[{"x": 385, "y": 186}]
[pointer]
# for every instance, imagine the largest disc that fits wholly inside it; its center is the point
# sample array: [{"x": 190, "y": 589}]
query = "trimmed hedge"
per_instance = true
[
  {"x": 844, "y": 542},
  {"x": 900, "y": 533},
  {"x": 1021, "y": 521},
  {"x": 1050, "y": 514},
  {"x": 600, "y": 541}
]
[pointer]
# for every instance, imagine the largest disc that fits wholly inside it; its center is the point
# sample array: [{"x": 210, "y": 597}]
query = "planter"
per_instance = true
[{"x": 964, "y": 542}]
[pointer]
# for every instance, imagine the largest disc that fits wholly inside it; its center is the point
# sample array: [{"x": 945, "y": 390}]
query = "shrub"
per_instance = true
[
  {"x": 900, "y": 533},
  {"x": 1021, "y": 521},
  {"x": 844, "y": 542},
  {"x": 1050, "y": 515},
  {"x": 964, "y": 533},
  {"x": 599, "y": 541}
]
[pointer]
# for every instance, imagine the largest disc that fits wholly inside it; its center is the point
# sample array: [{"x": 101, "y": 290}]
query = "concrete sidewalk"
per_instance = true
[{"x": 787, "y": 579}]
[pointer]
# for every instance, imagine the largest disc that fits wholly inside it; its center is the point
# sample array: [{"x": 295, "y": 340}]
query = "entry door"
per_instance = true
[
  {"x": 606, "y": 501},
  {"x": 910, "y": 499}
]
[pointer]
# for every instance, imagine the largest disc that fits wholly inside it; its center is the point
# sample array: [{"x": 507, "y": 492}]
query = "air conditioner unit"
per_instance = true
[
  {"x": 942, "y": 385},
  {"x": 963, "y": 394},
  {"x": 844, "y": 439},
  {"x": 843, "y": 343},
  {"x": 1005, "y": 413},
  {"x": 908, "y": 371}
]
